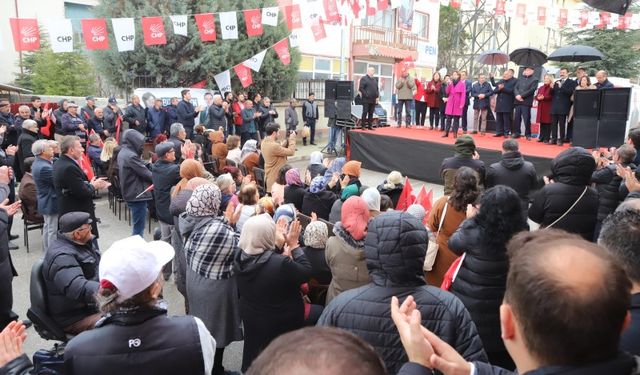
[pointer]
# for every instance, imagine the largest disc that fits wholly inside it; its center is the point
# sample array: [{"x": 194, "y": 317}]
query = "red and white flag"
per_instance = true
[
  {"x": 229, "y": 25},
  {"x": 282, "y": 49},
  {"x": 564, "y": 16},
  {"x": 253, "y": 22},
  {"x": 383, "y": 4},
  {"x": 500, "y": 8},
  {"x": 317, "y": 28},
  {"x": 604, "y": 20},
  {"x": 153, "y": 30},
  {"x": 584, "y": 18},
  {"x": 206, "y": 26},
  {"x": 331, "y": 11},
  {"x": 270, "y": 16},
  {"x": 542, "y": 15},
  {"x": 244, "y": 74},
  {"x": 61, "y": 34},
  {"x": 26, "y": 35},
  {"x": 94, "y": 32},
  {"x": 293, "y": 16},
  {"x": 624, "y": 21},
  {"x": 371, "y": 7}
]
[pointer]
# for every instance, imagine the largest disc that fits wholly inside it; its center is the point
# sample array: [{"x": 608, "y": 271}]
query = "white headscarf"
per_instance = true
[{"x": 315, "y": 158}]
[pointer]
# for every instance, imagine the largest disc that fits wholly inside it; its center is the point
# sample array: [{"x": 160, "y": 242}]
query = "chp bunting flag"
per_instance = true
[
  {"x": 395, "y": 3},
  {"x": 293, "y": 16},
  {"x": 229, "y": 25},
  {"x": 614, "y": 19},
  {"x": 244, "y": 74},
  {"x": 371, "y": 7},
  {"x": 179, "y": 24},
  {"x": 500, "y": 8},
  {"x": 282, "y": 49},
  {"x": 85, "y": 165},
  {"x": 61, "y": 35},
  {"x": 207, "y": 26},
  {"x": 331, "y": 11},
  {"x": 253, "y": 22},
  {"x": 94, "y": 31},
  {"x": 26, "y": 35},
  {"x": 124, "y": 31},
  {"x": 624, "y": 21},
  {"x": 564, "y": 15},
  {"x": 270, "y": 16},
  {"x": 355, "y": 8},
  {"x": 293, "y": 40},
  {"x": 383, "y": 4},
  {"x": 153, "y": 30},
  {"x": 317, "y": 28},
  {"x": 455, "y": 4},
  {"x": 223, "y": 80},
  {"x": 542, "y": 15},
  {"x": 584, "y": 18},
  {"x": 255, "y": 62},
  {"x": 604, "y": 20},
  {"x": 521, "y": 10}
]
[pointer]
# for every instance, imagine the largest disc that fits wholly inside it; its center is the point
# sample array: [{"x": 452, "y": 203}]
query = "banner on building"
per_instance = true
[
  {"x": 282, "y": 50},
  {"x": 253, "y": 22},
  {"x": 244, "y": 74},
  {"x": 124, "y": 31},
  {"x": 206, "y": 26},
  {"x": 255, "y": 62},
  {"x": 153, "y": 31},
  {"x": 405, "y": 15},
  {"x": 26, "y": 35},
  {"x": 229, "y": 25},
  {"x": 223, "y": 80},
  {"x": 428, "y": 53},
  {"x": 94, "y": 31},
  {"x": 270, "y": 16},
  {"x": 61, "y": 35},
  {"x": 179, "y": 25}
]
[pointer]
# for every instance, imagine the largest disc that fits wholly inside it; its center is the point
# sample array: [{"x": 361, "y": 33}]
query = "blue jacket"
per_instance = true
[
  {"x": 561, "y": 102},
  {"x": 155, "y": 121},
  {"x": 605, "y": 85},
  {"x": 171, "y": 116},
  {"x": 478, "y": 89},
  {"x": 248, "y": 121},
  {"x": 42, "y": 171},
  {"x": 186, "y": 114}
]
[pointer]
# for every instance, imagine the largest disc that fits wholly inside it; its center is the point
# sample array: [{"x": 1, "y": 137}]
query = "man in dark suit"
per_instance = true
[
  {"x": 369, "y": 92},
  {"x": 504, "y": 102},
  {"x": 560, "y": 106},
  {"x": 73, "y": 190},
  {"x": 524, "y": 89},
  {"x": 25, "y": 141},
  {"x": 7, "y": 271},
  {"x": 42, "y": 171},
  {"x": 187, "y": 113}
]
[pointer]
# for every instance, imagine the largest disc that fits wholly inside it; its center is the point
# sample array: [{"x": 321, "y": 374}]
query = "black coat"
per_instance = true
[
  {"x": 111, "y": 119},
  {"x": 73, "y": 190},
  {"x": 319, "y": 268},
  {"x": 525, "y": 87},
  {"x": 217, "y": 118},
  {"x": 136, "y": 113},
  {"x": 186, "y": 114},
  {"x": 270, "y": 299},
  {"x": 320, "y": 203},
  {"x": 135, "y": 176},
  {"x": 395, "y": 247},
  {"x": 630, "y": 340},
  {"x": 368, "y": 89},
  {"x": 515, "y": 172},
  {"x": 481, "y": 283},
  {"x": 70, "y": 272},
  {"x": 25, "y": 141},
  {"x": 572, "y": 170},
  {"x": 608, "y": 185},
  {"x": 164, "y": 176},
  {"x": 177, "y": 147},
  {"x": 505, "y": 99},
  {"x": 7, "y": 271},
  {"x": 561, "y": 102},
  {"x": 393, "y": 193},
  {"x": 294, "y": 194}
]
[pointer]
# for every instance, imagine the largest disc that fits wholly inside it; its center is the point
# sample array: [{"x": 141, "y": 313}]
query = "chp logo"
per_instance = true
[
  {"x": 157, "y": 30},
  {"x": 29, "y": 34},
  {"x": 208, "y": 27},
  {"x": 256, "y": 22},
  {"x": 179, "y": 24},
  {"x": 98, "y": 34}
]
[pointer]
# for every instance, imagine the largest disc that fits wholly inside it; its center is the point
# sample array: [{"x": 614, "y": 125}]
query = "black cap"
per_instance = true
[
  {"x": 112, "y": 100},
  {"x": 90, "y": 98},
  {"x": 163, "y": 148},
  {"x": 72, "y": 221}
]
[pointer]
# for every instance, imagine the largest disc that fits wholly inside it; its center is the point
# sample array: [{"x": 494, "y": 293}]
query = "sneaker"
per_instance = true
[{"x": 474, "y": 132}]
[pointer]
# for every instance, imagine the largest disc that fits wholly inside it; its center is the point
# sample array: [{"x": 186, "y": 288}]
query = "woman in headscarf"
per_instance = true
[
  {"x": 316, "y": 166},
  {"x": 316, "y": 235},
  {"x": 211, "y": 285},
  {"x": 189, "y": 169},
  {"x": 294, "y": 191},
  {"x": 269, "y": 283},
  {"x": 250, "y": 157},
  {"x": 334, "y": 169},
  {"x": 392, "y": 186},
  {"x": 227, "y": 186},
  {"x": 219, "y": 149},
  {"x": 318, "y": 199},
  {"x": 345, "y": 251}
]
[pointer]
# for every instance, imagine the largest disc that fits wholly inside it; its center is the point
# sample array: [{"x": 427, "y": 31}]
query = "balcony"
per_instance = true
[{"x": 376, "y": 41}]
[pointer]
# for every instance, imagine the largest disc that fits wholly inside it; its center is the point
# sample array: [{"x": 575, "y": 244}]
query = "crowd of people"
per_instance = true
[{"x": 262, "y": 251}]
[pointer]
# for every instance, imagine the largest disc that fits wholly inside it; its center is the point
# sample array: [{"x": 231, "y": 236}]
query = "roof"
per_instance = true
[{"x": 6, "y": 87}]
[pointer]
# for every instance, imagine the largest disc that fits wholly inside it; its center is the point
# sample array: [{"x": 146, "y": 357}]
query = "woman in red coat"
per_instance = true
[
  {"x": 544, "y": 97},
  {"x": 434, "y": 101},
  {"x": 421, "y": 102},
  {"x": 237, "y": 108}
]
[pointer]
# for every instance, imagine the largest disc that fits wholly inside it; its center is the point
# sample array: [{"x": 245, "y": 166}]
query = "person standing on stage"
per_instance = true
[
  {"x": 544, "y": 97},
  {"x": 405, "y": 87},
  {"x": 467, "y": 101},
  {"x": 524, "y": 89},
  {"x": 369, "y": 93},
  {"x": 456, "y": 92},
  {"x": 560, "y": 106},
  {"x": 443, "y": 99},
  {"x": 434, "y": 100},
  {"x": 504, "y": 102},
  {"x": 481, "y": 92}
]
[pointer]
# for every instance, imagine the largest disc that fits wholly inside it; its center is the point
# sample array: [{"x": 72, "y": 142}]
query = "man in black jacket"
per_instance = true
[
  {"x": 136, "y": 116},
  {"x": 217, "y": 118},
  {"x": 111, "y": 115},
  {"x": 558, "y": 317},
  {"x": 369, "y": 92},
  {"x": 560, "y": 106},
  {"x": 524, "y": 89},
  {"x": 513, "y": 171},
  {"x": 70, "y": 272},
  {"x": 73, "y": 190},
  {"x": 25, "y": 141},
  {"x": 187, "y": 113},
  {"x": 88, "y": 111},
  {"x": 7, "y": 271},
  {"x": 504, "y": 102},
  {"x": 395, "y": 248}
]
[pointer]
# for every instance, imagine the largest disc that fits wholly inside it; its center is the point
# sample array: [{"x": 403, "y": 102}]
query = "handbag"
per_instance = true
[
  {"x": 306, "y": 132},
  {"x": 432, "y": 247},
  {"x": 570, "y": 208}
]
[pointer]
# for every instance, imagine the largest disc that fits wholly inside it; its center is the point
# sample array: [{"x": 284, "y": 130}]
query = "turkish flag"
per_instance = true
[
  {"x": 253, "y": 21},
  {"x": 118, "y": 126},
  {"x": 282, "y": 49},
  {"x": 331, "y": 11},
  {"x": 244, "y": 74},
  {"x": 426, "y": 201},
  {"x": 500, "y": 8},
  {"x": 406, "y": 197},
  {"x": 293, "y": 16},
  {"x": 383, "y": 4},
  {"x": 317, "y": 28},
  {"x": 207, "y": 26},
  {"x": 94, "y": 31},
  {"x": 26, "y": 34},
  {"x": 153, "y": 29},
  {"x": 85, "y": 165},
  {"x": 564, "y": 14},
  {"x": 455, "y": 3},
  {"x": 624, "y": 21},
  {"x": 542, "y": 15}
]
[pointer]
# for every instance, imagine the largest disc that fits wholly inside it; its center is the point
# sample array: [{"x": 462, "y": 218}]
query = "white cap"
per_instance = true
[{"x": 133, "y": 264}]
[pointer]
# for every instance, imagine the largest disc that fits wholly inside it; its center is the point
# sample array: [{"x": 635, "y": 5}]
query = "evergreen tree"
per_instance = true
[
  {"x": 187, "y": 60},
  {"x": 452, "y": 41}
]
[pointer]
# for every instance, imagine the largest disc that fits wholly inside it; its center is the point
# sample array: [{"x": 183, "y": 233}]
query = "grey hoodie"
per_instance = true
[{"x": 134, "y": 174}]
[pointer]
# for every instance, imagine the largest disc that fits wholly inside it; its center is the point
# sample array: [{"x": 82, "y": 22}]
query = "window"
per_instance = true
[
  {"x": 312, "y": 67},
  {"x": 75, "y": 12},
  {"x": 421, "y": 25},
  {"x": 322, "y": 64},
  {"x": 382, "y": 19},
  {"x": 360, "y": 68}
]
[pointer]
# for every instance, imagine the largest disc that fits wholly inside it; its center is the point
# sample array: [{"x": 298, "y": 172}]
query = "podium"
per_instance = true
[{"x": 600, "y": 117}]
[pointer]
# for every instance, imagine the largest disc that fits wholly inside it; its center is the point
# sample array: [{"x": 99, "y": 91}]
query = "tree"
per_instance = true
[
  {"x": 451, "y": 40},
  {"x": 620, "y": 48},
  {"x": 48, "y": 73},
  {"x": 187, "y": 60}
]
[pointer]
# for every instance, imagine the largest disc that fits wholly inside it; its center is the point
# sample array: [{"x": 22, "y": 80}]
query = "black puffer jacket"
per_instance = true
[
  {"x": 134, "y": 173},
  {"x": 320, "y": 203},
  {"x": 515, "y": 172},
  {"x": 572, "y": 170},
  {"x": 395, "y": 247},
  {"x": 608, "y": 184},
  {"x": 393, "y": 193},
  {"x": 481, "y": 283}
]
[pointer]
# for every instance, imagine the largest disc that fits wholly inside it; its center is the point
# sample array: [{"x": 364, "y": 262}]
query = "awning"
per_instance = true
[
  {"x": 365, "y": 50},
  {"x": 14, "y": 88}
]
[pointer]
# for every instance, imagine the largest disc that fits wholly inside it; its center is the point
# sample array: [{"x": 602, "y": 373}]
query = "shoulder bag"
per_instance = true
[{"x": 432, "y": 248}]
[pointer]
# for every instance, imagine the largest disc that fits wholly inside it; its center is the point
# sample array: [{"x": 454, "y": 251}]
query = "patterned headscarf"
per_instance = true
[
  {"x": 292, "y": 177},
  {"x": 317, "y": 184},
  {"x": 288, "y": 211},
  {"x": 205, "y": 201},
  {"x": 249, "y": 147},
  {"x": 316, "y": 235},
  {"x": 335, "y": 167},
  {"x": 258, "y": 234}
]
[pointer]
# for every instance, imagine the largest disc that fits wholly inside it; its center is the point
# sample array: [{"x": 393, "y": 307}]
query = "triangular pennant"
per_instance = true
[
  {"x": 282, "y": 49},
  {"x": 406, "y": 196},
  {"x": 255, "y": 62},
  {"x": 223, "y": 80},
  {"x": 293, "y": 16},
  {"x": 244, "y": 74}
]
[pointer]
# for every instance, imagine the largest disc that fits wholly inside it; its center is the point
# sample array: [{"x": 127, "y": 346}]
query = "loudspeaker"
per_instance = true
[
  {"x": 330, "y": 108},
  {"x": 330, "y": 89},
  {"x": 586, "y": 104},
  {"x": 343, "y": 109},
  {"x": 615, "y": 103},
  {"x": 344, "y": 90},
  {"x": 585, "y": 132},
  {"x": 611, "y": 132}
]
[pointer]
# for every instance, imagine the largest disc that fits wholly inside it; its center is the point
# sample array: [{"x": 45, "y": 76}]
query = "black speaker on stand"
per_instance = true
[
  {"x": 338, "y": 98},
  {"x": 586, "y": 112},
  {"x": 600, "y": 117}
]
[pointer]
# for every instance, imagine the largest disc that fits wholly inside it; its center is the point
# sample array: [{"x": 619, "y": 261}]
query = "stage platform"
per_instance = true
[{"x": 418, "y": 153}]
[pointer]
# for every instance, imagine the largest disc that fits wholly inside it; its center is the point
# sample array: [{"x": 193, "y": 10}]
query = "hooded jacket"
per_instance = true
[
  {"x": 165, "y": 175},
  {"x": 395, "y": 247},
  {"x": 134, "y": 174},
  {"x": 345, "y": 257},
  {"x": 608, "y": 185},
  {"x": 572, "y": 170},
  {"x": 515, "y": 172}
]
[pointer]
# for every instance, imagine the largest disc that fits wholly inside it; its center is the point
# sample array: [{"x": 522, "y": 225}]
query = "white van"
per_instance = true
[{"x": 149, "y": 95}]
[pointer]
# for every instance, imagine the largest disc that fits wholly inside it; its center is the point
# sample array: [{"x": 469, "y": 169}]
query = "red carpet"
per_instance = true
[{"x": 488, "y": 142}]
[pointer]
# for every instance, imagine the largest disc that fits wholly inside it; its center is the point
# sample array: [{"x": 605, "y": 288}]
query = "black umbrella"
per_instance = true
[
  {"x": 528, "y": 57},
  {"x": 576, "y": 53},
  {"x": 493, "y": 57}
]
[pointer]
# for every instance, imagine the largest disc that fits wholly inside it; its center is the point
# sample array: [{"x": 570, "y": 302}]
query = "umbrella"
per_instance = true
[
  {"x": 576, "y": 53},
  {"x": 493, "y": 57},
  {"x": 528, "y": 57}
]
